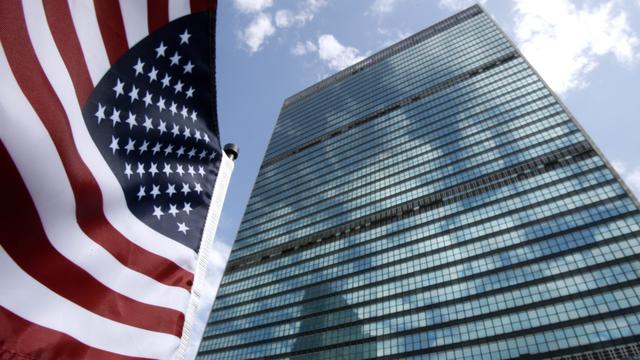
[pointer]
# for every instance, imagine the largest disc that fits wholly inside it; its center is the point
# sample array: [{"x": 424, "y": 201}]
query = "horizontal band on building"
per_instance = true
[
  {"x": 362, "y": 322},
  {"x": 412, "y": 207},
  {"x": 467, "y": 278},
  {"x": 474, "y": 240},
  {"x": 421, "y": 239},
  {"x": 592, "y": 352},
  {"x": 395, "y": 106},
  {"x": 388, "y": 280},
  {"x": 400, "y": 46},
  {"x": 459, "y": 280},
  {"x": 379, "y": 338}
]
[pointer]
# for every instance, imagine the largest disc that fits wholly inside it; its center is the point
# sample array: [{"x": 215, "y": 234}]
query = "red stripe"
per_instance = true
[
  {"x": 22, "y": 339},
  {"x": 29, "y": 247},
  {"x": 112, "y": 28},
  {"x": 36, "y": 87},
  {"x": 64, "y": 34},
  {"x": 202, "y": 5},
  {"x": 157, "y": 14}
]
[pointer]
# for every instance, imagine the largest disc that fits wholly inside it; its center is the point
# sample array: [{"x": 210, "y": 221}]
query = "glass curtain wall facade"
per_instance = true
[{"x": 434, "y": 201}]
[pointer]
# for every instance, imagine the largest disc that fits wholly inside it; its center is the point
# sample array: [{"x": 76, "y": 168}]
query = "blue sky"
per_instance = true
[{"x": 588, "y": 51}]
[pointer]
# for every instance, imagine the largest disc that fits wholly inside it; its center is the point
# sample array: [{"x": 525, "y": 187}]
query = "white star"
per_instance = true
[
  {"x": 119, "y": 88},
  {"x": 190, "y": 92},
  {"x": 187, "y": 208},
  {"x": 100, "y": 112},
  {"x": 143, "y": 147},
  {"x": 201, "y": 171},
  {"x": 202, "y": 154},
  {"x": 180, "y": 151},
  {"x": 191, "y": 153},
  {"x": 168, "y": 150},
  {"x": 191, "y": 170},
  {"x": 153, "y": 74},
  {"x": 127, "y": 170},
  {"x": 140, "y": 169},
  {"x": 115, "y": 116},
  {"x": 133, "y": 94},
  {"x": 197, "y": 188},
  {"x": 184, "y": 37},
  {"x": 161, "y": 104},
  {"x": 148, "y": 124},
  {"x": 157, "y": 211},
  {"x": 206, "y": 137},
  {"x": 185, "y": 189},
  {"x": 194, "y": 116},
  {"x": 141, "y": 193},
  {"x": 175, "y": 59},
  {"x": 156, "y": 148},
  {"x": 131, "y": 120},
  {"x": 186, "y": 133},
  {"x": 175, "y": 130},
  {"x": 163, "y": 127},
  {"x": 173, "y": 107},
  {"x": 167, "y": 169},
  {"x": 138, "y": 67},
  {"x": 130, "y": 145},
  {"x": 147, "y": 99},
  {"x": 184, "y": 112},
  {"x": 179, "y": 170},
  {"x": 155, "y": 191},
  {"x": 212, "y": 155},
  {"x": 197, "y": 135},
  {"x": 178, "y": 86},
  {"x": 171, "y": 189},
  {"x": 114, "y": 144},
  {"x": 160, "y": 50},
  {"x": 153, "y": 169},
  {"x": 165, "y": 80},
  {"x": 173, "y": 210},
  {"x": 182, "y": 228},
  {"x": 188, "y": 68}
]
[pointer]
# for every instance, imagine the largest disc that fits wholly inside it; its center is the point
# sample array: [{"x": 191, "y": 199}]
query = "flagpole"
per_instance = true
[{"x": 203, "y": 291}]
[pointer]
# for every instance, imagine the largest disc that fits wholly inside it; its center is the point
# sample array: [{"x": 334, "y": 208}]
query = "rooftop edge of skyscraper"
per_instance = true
[{"x": 386, "y": 52}]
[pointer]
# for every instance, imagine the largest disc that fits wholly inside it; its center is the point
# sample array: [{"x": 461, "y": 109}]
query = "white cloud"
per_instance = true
[
  {"x": 456, "y": 5},
  {"x": 252, "y": 6},
  {"x": 302, "y": 48},
  {"x": 336, "y": 55},
  {"x": 257, "y": 32},
  {"x": 381, "y": 7},
  {"x": 564, "y": 42},
  {"x": 630, "y": 174},
  {"x": 286, "y": 18}
]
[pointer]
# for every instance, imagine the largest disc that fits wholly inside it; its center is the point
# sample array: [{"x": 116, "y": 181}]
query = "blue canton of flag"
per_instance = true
[{"x": 151, "y": 117}]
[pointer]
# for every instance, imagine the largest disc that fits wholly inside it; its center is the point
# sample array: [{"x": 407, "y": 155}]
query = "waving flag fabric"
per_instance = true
[{"x": 112, "y": 177}]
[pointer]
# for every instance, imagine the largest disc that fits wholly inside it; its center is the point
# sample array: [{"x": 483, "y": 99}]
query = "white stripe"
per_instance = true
[
  {"x": 85, "y": 22},
  {"x": 205, "y": 283},
  {"x": 41, "y": 169},
  {"x": 115, "y": 206},
  {"x": 27, "y": 298},
  {"x": 178, "y": 8},
  {"x": 134, "y": 17}
]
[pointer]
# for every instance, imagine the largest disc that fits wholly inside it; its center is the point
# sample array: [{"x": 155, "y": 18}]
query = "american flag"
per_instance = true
[{"x": 113, "y": 177}]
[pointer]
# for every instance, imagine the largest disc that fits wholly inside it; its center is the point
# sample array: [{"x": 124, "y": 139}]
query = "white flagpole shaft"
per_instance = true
[{"x": 203, "y": 291}]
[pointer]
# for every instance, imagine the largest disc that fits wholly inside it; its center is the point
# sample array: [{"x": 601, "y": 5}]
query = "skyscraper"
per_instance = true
[{"x": 435, "y": 200}]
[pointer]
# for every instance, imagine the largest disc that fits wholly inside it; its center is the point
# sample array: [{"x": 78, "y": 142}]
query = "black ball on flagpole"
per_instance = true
[{"x": 232, "y": 151}]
